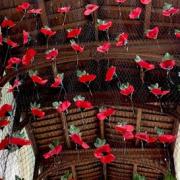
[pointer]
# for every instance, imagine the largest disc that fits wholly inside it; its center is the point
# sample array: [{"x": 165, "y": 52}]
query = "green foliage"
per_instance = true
[
  {"x": 99, "y": 142},
  {"x": 66, "y": 176},
  {"x": 18, "y": 178},
  {"x": 169, "y": 176},
  {"x": 138, "y": 177}
]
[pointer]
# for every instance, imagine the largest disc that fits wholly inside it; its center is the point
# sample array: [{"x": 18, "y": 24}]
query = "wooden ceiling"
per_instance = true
[{"x": 149, "y": 161}]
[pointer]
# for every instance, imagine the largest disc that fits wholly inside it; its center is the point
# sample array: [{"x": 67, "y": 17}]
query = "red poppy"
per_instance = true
[
  {"x": 152, "y": 139},
  {"x": 81, "y": 103},
  {"x": 57, "y": 150},
  {"x": 19, "y": 141},
  {"x": 169, "y": 10},
  {"x": 156, "y": 90},
  {"x": 124, "y": 128},
  {"x": 37, "y": 112},
  {"x": 76, "y": 47},
  {"x": 29, "y": 56},
  {"x": 144, "y": 64},
  {"x": 73, "y": 33},
  {"x": 4, "y": 109},
  {"x": 64, "y": 9},
  {"x": 57, "y": 80},
  {"x": 52, "y": 54},
  {"x": 25, "y": 37},
  {"x": 120, "y": 1},
  {"x": 122, "y": 39},
  {"x": 145, "y": 2},
  {"x": 16, "y": 84},
  {"x": 105, "y": 113},
  {"x": 35, "y": 11},
  {"x": 111, "y": 72},
  {"x": 104, "y": 154},
  {"x": 62, "y": 106},
  {"x": 76, "y": 138},
  {"x": 135, "y": 13},
  {"x": 167, "y": 138},
  {"x": 104, "y": 48},
  {"x": 4, "y": 143},
  {"x": 103, "y": 25},
  {"x": 4, "y": 123},
  {"x": 23, "y": 7},
  {"x": 47, "y": 31},
  {"x": 142, "y": 136},
  {"x": 85, "y": 77},
  {"x": 126, "y": 89},
  {"x": 38, "y": 80},
  {"x": 128, "y": 135},
  {"x": 12, "y": 61},
  {"x": 90, "y": 8},
  {"x": 7, "y": 23},
  {"x": 11, "y": 43},
  {"x": 168, "y": 62},
  {"x": 152, "y": 33},
  {"x": 177, "y": 33}
]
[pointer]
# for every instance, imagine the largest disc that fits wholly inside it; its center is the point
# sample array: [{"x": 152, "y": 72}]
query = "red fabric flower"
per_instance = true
[
  {"x": 87, "y": 78},
  {"x": 38, "y": 80},
  {"x": 35, "y": 11},
  {"x": 82, "y": 104},
  {"x": 167, "y": 138},
  {"x": 168, "y": 62},
  {"x": 76, "y": 47},
  {"x": 72, "y": 33},
  {"x": 7, "y": 23},
  {"x": 11, "y": 43},
  {"x": 122, "y": 39},
  {"x": 124, "y": 128},
  {"x": 126, "y": 89},
  {"x": 57, "y": 150},
  {"x": 104, "y": 48},
  {"x": 128, "y": 135},
  {"x": 12, "y": 61},
  {"x": 47, "y": 31},
  {"x": 135, "y": 13},
  {"x": 23, "y": 7},
  {"x": 142, "y": 136},
  {"x": 4, "y": 143},
  {"x": 105, "y": 113},
  {"x": 25, "y": 37},
  {"x": 4, "y": 109},
  {"x": 90, "y": 8},
  {"x": 120, "y": 1},
  {"x": 57, "y": 81},
  {"x": 110, "y": 73},
  {"x": 16, "y": 84},
  {"x": 177, "y": 33},
  {"x": 145, "y": 2},
  {"x": 156, "y": 90},
  {"x": 104, "y": 154},
  {"x": 64, "y": 9},
  {"x": 103, "y": 25},
  {"x": 144, "y": 64},
  {"x": 4, "y": 123},
  {"x": 37, "y": 112},
  {"x": 29, "y": 56},
  {"x": 169, "y": 10},
  {"x": 152, "y": 139},
  {"x": 62, "y": 106},
  {"x": 152, "y": 33},
  {"x": 51, "y": 54},
  {"x": 76, "y": 138}
]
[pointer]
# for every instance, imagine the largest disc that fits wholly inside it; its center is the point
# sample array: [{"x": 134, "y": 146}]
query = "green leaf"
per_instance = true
[
  {"x": 99, "y": 142},
  {"x": 167, "y": 56},
  {"x": 55, "y": 104},
  {"x": 138, "y": 177},
  {"x": 100, "y": 21},
  {"x": 167, "y": 6},
  {"x": 169, "y": 176},
  {"x": 80, "y": 73},
  {"x": 138, "y": 58},
  {"x": 55, "y": 142},
  {"x": 78, "y": 97},
  {"x": 159, "y": 131},
  {"x": 177, "y": 30},
  {"x": 74, "y": 129},
  {"x": 66, "y": 176},
  {"x": 51, "y": 146}
]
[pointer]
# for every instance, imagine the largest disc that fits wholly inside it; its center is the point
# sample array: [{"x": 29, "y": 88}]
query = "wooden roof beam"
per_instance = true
[
  {"x": 73, "y": 168},
  {"x": 147, "y": 18}
]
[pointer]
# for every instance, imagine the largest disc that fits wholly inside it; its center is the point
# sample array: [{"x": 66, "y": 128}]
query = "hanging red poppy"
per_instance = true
[
  {"x": 19, "y": 141},
  {"x": 177, "y": 33},
  {"x": 120, "y": 128},
  {"x": 103, "y": 153},
  {"x": 104, "y": 48},
  {"x": 135, "y": 13},
  {"x": 104, "y": 25},
  {"x": 120, "y": 1},
  {"x": 81, "y": 103},
  {"x": 35, "y": 11},
  {"x": 23, "y": 7},
  {"x": 122, "y": 40},
  {"x": 58, "y": 81},
  {"x": 62, "y": 106},
  {"x": 51, "y": 54},
  {"x": 144, "y": 64},
  {"x": 152, "y": 33},
  {"x": 4, "y": 123},
  {"x": 25, "y": 37},
  {"x": 167, "y": 138},
  {"x": 64, "y": 9},
  {"x": 29, "y": 56},
  {"x": 11, "y": 43},
  {"x": 90, "y": 8},
  {"x": 169, "y": 10},
  {"x": 36, "y": 111},
  {"x": 168, "y": 62},
  {"x": 126, "y": 89},
  {"x": 47, "y": 31},
  {"x": 7, "y": 23},
  {"x": 73, "y": 33},
  {"x": 105, "y": 113},
  {"x": 37, "y": 79},
  {"x": 76, "y": 47},
  {"x": 85, "y": 77},
  {"x": 4, "y": 109},
  {"x": 143, "y": 136},
  {"x": 145, "y": 2},
  {"x": 16, "y": 84},
  {"x": 111, "y": 72},
  {"x": 156, "y": 90},
  {"x": 75, "y": 136},
  {"x": 13, "y": 61}
]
